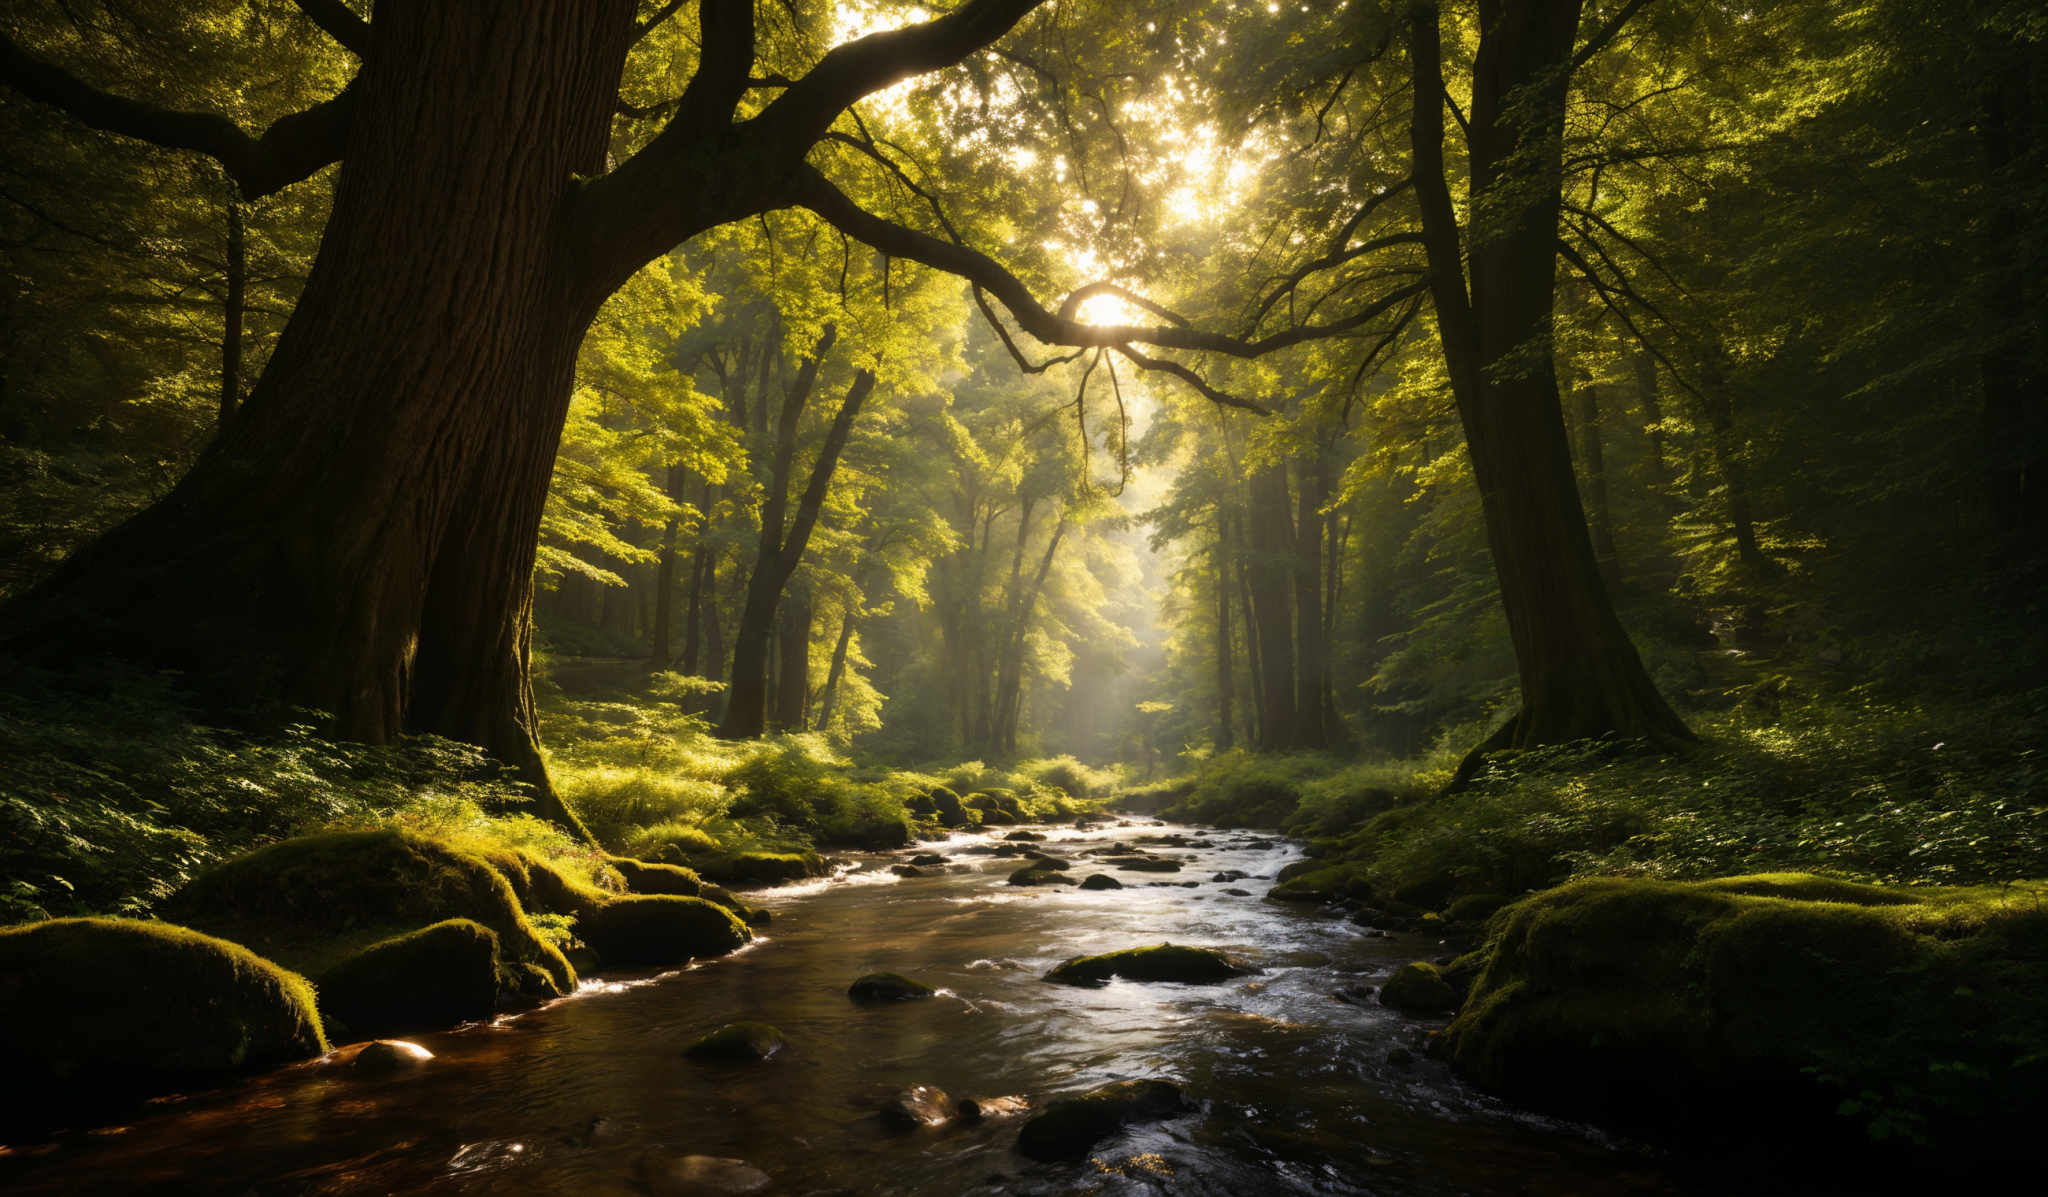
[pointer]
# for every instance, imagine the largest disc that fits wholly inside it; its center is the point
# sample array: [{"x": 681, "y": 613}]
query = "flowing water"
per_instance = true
[{"x": 1291, "y": 1088}]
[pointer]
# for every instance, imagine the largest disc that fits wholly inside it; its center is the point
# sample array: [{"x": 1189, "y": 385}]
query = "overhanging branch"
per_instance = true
[
  {"x": 289, "y": 150},
  {"x": 339, "y": 22}
]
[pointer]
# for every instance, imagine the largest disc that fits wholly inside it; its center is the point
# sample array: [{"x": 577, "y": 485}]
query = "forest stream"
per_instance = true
[{"x": 1291, "y": 1089}]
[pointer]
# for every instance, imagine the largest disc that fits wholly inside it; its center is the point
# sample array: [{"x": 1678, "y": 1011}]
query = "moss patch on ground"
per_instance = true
[
  {"x": 1798, "y": 1002},
  {"x": 97, "y": 1010},
  {"x": 313, "y": 902}
]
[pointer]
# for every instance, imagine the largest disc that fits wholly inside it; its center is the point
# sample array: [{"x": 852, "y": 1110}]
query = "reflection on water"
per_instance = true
[{"x": 591, "y": 1094}]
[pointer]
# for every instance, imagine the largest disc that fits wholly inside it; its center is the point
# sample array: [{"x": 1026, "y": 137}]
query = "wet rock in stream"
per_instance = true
[
  {"x": 673, "y": 1174},
  {"x": 888, "y": 987},
  {"x": 737, "y": 1042},
  {"x": 1070, "y": 1126},
  {"x": 1101, "y": 881},
  {"x": 1161, "y": 962},
  {"x": 918, "y": 1107}
]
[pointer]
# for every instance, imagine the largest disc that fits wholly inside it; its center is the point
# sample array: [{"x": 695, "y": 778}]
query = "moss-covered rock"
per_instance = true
[
  {"x": 1419, "y": 988},
  {"x": 1474, "y": 908},
  {"x": 888, "y": 987},
  {"x": 1796, "y": 1003},
  {"x": 1069, "y": 1126},
  {"x": 647, "y": 877},
  {"x": 660, "y": 929},
  {"x": 998, "y": 808},
  {"x": 760, "y": 868},
  {"x": 1161, "y": 962},
  {"x": 737, "y": 1042},
  {"x": 1037, "y": 873},
  {"x": 310, "y": 903},
  {"x": 1145, "y": 864},
  {"x": 424, "y": 980},
  {"x": 98, "y": 1010},
  {"x": 1325, "y": 882},
  {"x": 1101, "y": 881},
  {"x": 952, "y": 811}
]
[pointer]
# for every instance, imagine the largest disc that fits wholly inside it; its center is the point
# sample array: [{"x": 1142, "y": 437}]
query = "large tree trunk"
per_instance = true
[
  {"x": 360, "y": 539},
  {"x": 2015, "y": 416},
  {"x": 234, "y": 307},
  {"x": 1224, "y": 735},
  {"x": 661, "y": 639},
  {"x": 793, "y": 688},
  {"x": 1580, "y": 675},
  {"x": 1312, "y": 658},
  {"x": 1593, "y": 468},
  {"x": 1271, "y": 567}
]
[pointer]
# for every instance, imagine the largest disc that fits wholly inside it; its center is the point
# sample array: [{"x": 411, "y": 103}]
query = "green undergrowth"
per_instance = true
[
  {"x": 1921, "y": 793},
  {"x": 111, "y": 801}
]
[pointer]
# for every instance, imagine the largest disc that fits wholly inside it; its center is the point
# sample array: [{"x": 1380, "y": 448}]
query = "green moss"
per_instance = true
[
  {"x": 952, "y": 812},
  {"x": 997, "y": 807},
  {"x": 1473, "y": 908},
  {"x": 643, "y": 877},
  {"x": 312, "y": 902},
  {"x": 660, "y": 929},
  {"x": 888, "y": 987},
  {"x": 425, "y": 980},
  {"x": 1161, "y": 962},
  {"x": 550, "y": 890},
  {"x": 759, "y": 868},
  {"x": 1419, "y": 988},
  {"x": 1070, "y": 1126},
  {"x": 97, "y": 1010},
  {"x": 1324, "y": 883},
  {"x": 1920, "y": 1013},
  {"x": 737, "y": 1042}
]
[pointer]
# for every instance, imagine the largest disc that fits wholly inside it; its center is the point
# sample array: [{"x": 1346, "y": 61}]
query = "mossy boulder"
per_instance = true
[
  {"x": 737, "y": 1043},
  {"x": 760, "y": 868},
  {"x": 1474, "y": 908},
  {"x": 874, "y": 833},
  {"x": 888, "y": 987},
  {"x": 952, "y": 812},
  {"x": 312, "y": 902},
  {"x": 998, "y": 808},
  {"x": 1101, "y": 881},
  {"x": 1161, "y": 962},
  {"x": 1037, "y": 873},
  {"x": 1325, "y": 882},
  {"x": 1419, "y": 988},
  {"x": 1803, "y": 1005},
  {"x": 1069, "y": 1127},
  {"x": 425, "y": 980},
  {"x": 649, "y": 877},
  {"x": 660, "y": 929},
  {"x": 99, "y": 1010}
]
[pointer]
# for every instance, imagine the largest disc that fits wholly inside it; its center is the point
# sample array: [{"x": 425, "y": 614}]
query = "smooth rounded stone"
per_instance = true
[
  {"x": 672, "y": 1174},
  {"x": 1040, "y": 874},
  {"x": 905, "y": 870},
  {"x": 1237, "y": 893},
  {"x": 1070, "y": 1126},
  {"x": 888, "y": 987},
  {"x": 1229, "y": 875},
  {"x": 737, "y": 1042},
  {"x": 1147, "y": 864},
  {"x": 1009, "y": 850},
  {"x": 918, "y": 1107},
  {"x": 391, "y": 1057},
  {"x": 1101, "y": 881},
  {"x": 992, "y": 1109},
  {"x": 1356, "y": 995},
  {"x": 1023, "y": 837},
  {"x": 1161, "y": 962},
  {"x": 1048, "y": 859},
  {"x": 1419, "y": 988},
  {"x": 924, "y": 859}
]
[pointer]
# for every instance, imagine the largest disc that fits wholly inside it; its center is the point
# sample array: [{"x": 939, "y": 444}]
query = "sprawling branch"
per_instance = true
[
  {"x": 288, "y": 151},
  {"x": 339, "y": 22},
  {"x": 659, "y": 17},
  {"x": 1600, "y": 37},
  {"x": 812, "y": 190},
  {"x": 867, "y": 65},
  {"x": 722, "y": 66}
]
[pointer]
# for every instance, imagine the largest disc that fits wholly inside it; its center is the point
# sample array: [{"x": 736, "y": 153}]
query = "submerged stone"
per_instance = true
[
  {"x": 1070, "y": 1126},
  {"x": 1162, "y": 962},
  {"x": 888, "y": 987},
  {"x": 1040, "y": 874},
  {"x": 391, "y": 1057},
  {"x": 737, "y": 1042},
  {"x": 992, "y": 1109},
  {"x": 672, "y": 1174},
  {"x": 917, "y": 1108}
]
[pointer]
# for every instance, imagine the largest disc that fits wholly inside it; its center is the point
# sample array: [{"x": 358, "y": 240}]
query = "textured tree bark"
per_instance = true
[
  {"x": 1593, "y": 465},
  {"x": 1224, "y": 735},
  {"x": 1271, "y": 567},
  {"x": 746, "y": 711},
  {"x": 793, "y": 636},
  {"x": 1580, "y": 675},
  {"x": 361, "y": 538},
  {"x": 234, "y": 307},
  {"x": 1312, "y": 658}
]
